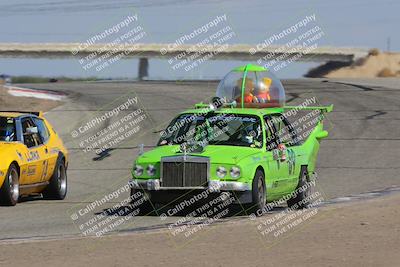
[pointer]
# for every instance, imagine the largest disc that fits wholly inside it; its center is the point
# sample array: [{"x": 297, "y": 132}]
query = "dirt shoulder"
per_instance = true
[
  {"x": 354, "y": 234},
  {"x": 9, "y": 102}
]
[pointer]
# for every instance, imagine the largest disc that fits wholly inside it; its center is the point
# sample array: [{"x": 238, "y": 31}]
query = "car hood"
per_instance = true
[{"x": 216, "y": 153}]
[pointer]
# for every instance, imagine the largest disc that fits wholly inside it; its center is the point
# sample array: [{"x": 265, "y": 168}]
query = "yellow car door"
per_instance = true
[
  {"x": 48, "y": 156},
  {"x": 35, "y": 154}
]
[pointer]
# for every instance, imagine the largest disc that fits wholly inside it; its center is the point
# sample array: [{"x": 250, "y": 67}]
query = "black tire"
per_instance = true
[
  {"x": 58, "y": 187},
  {"x": 145, "y": 208},
  {"x": 9, "y": 192},
  {"x": 301, "y": 199},
  {"x": 259, "y": 194}
]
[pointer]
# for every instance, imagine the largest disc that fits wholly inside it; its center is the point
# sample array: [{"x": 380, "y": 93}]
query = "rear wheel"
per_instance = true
[
  {"x": 57, "y": 189},
  {"x": 259, "y": 192},
  {"x": 301, "y": 199},
  {"x": 9, "y": 192}
]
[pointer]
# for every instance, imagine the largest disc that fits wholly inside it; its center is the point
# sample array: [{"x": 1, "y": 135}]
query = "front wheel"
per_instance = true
[
  {"x": 259, "y": 195},
  {"x": 57, "y": 189},
  {"x": 9, "y": 192}
]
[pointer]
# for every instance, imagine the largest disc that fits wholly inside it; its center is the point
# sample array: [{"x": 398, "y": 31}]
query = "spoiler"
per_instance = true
[
  {"x": 322, "y": 109},
  {"x": 36, "y": 113}
]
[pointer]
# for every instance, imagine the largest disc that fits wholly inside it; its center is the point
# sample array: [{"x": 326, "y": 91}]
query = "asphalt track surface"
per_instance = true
[{"x": 360, "y": 155}]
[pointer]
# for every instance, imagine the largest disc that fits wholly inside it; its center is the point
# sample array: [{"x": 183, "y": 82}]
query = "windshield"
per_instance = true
[
  {"x": 214, "y": 129},
  {"x": 7, "y": 129}
]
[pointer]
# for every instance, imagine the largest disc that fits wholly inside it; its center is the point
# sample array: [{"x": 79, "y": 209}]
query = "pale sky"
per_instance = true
[{"x": 353, "y": 23}]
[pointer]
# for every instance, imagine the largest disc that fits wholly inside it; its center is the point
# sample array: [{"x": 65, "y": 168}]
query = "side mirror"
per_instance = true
[
  {"x": 32, "y": 130},
  {"x": 141, "y": 149},
  {"x": 321, "y": 135}
]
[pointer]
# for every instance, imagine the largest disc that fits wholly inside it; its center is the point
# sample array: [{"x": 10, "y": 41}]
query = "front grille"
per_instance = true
[
  {"x": 172, "y": 175},
  {"x": 184, "y": 172}
]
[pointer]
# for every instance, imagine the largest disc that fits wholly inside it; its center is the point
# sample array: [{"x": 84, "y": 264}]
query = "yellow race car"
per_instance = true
[{"x": 33, "y": 159}]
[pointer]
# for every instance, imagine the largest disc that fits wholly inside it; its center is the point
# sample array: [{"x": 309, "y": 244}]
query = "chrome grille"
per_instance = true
[{"x": 184, "y": 172}]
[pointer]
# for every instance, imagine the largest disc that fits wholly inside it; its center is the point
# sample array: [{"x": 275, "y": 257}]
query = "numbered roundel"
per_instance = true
[{"x": 252, "y": 86}]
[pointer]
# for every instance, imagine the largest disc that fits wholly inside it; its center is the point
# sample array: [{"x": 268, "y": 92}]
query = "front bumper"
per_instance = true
[
  {"x": 242, "y": 192},
  {"x": 216, "y": 186}
]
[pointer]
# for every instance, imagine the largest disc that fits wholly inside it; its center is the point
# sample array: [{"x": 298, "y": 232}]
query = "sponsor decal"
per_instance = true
[
  {"x": 31, "y": 170},
  {"x": 20, "y": 155},
  {"x": 32, "y": 156}
]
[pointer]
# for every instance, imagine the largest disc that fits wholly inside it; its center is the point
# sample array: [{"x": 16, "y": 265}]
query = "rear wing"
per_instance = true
[
  {"x": 318, "y": 131},
  {"x": 322, "y": 109}
]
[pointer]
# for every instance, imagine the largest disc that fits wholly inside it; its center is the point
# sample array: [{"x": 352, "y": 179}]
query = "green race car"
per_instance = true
[{"x": 246, "y": 144}]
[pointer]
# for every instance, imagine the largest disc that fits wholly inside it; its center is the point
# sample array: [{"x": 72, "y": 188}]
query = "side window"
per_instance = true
[
  {"x": 271, "y": 133},
  {"x": 285, "y": 131},
  {"x": 31, "y": 135},
  {"x": 42, "y": 129},
  {"x": 7, "y": 129}
]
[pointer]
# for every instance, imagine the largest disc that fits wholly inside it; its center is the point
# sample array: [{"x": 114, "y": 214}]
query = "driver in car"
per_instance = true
[
  {"x": 7, "y": 131},
  {"x": 251, "y": 136}
]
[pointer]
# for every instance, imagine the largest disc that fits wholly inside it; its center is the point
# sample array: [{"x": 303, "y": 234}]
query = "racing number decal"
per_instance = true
[{"x": 291, "y": 161}]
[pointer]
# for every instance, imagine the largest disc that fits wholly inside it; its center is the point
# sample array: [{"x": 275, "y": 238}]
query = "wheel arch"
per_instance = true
[
  {"x": 17, "y": 166},
  {"x": 14, "y": 162},
  {"x": 261, "y": 168},
  {"x": 306, "y": 167},
  {"x": 255, "y": 186},
  {"x": 61, "y": 156}
]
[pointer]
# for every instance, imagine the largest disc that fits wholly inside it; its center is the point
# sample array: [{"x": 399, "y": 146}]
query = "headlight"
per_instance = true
[
  {"x": 235, "y": 172},
  {"x": 151, "y": 170},
  {"x": 221, "y": 172},
  {"x": 138, "y": 170}
]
